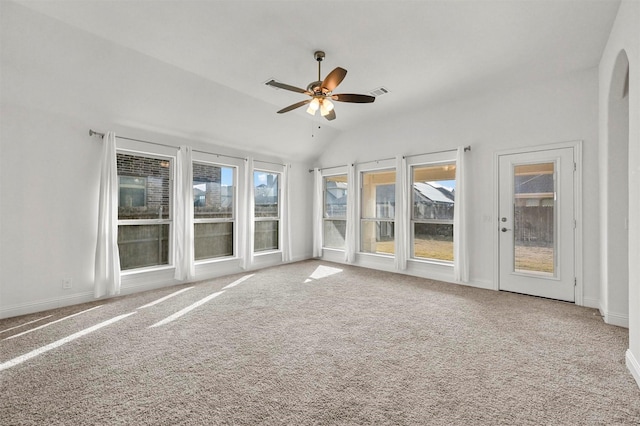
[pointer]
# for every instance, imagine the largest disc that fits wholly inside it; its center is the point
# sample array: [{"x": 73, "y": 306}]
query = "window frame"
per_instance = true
[
  {"x": 427, "y": 160},
  {"x": 163, "y": 156},
  {"x": 234, "y": 165},
  {"x": 326, "y": 218},
  {"x": 380, "y": 166},
  {"x": 277, "y": 219}
]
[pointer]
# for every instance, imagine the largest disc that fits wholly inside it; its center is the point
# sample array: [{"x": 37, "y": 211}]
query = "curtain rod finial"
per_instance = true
[{"x": 94, "y": 133}]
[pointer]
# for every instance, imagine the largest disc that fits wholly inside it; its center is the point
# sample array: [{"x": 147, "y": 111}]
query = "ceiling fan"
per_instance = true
[{"x": 321, "y": 92}]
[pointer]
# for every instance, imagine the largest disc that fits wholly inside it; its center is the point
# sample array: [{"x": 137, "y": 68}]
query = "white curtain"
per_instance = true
[
  {"x": 246, "y": 241},
  {"x": 317, "y": 213},
  {"x": 286, "y": 216},
  {"x": 402, "y": 210},
  {"x": 185, "y": 268},
  {"x": 350, "y": 243},
  {"x": 107, "y": 265},
  {"x": 460, "y": 255}
]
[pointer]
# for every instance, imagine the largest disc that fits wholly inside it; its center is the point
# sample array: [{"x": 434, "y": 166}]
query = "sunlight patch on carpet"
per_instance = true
[
  {"x": 162, "y": 299},
  {"x": 26, "y": 323},
  {"x": 322, "y": 272},
  {"x": 22, "y": 358},
  {"x": 238, "y": 281},
  {"x": 186, "y": 310},
  {"x": 52, "y": 322}
]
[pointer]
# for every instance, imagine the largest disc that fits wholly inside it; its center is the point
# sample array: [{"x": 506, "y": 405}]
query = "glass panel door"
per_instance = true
[{"x": 536, "y": 223}]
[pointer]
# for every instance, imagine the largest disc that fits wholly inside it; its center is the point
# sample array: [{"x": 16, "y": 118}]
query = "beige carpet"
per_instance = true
[{"x": 356, "y": 347}]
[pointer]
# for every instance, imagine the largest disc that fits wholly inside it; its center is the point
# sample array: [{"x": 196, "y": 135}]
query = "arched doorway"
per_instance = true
[{"x": 616, "y": 199}]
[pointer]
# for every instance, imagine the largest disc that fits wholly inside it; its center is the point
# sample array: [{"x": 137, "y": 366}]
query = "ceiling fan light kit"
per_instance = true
[{"x": 321, "y": 92}]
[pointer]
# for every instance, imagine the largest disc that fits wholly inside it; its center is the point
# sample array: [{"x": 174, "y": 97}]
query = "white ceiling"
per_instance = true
[{"x": 423, "y": 52}]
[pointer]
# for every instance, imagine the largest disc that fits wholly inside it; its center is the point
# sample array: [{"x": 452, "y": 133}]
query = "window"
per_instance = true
[
  {"x": 266, "y": 210},
  {"x": 335, "y": 211},
  {"x": 433, "y": 202},
  {"x": 213, "y": 210},
  {"x": 132, "y": 191},
  {"x": 377, "y": 233},
  {"x": 144, "y": 210}
]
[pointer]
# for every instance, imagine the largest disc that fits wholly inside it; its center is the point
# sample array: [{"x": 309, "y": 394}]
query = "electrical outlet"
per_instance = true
[{"x": 67, "y": 283}]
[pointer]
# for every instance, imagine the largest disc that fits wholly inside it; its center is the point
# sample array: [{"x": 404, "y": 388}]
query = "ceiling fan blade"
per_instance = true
[
  {"x": 331, "y": 115},
  {"x": 334, "y": 78},
  {"x": 351, "y": 97},
  {"x": 294, "y": 106},
  {"x": 287, "y": 87}
]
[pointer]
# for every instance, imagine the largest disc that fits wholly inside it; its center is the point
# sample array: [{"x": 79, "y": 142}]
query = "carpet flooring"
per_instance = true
[{"x": 315, "y": 343}]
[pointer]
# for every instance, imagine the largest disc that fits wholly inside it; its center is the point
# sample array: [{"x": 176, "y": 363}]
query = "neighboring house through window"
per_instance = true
[
  {"x": 335, "y": 211},
  {"x": 214, "y": 210},
  {"x": 377, "y": 212},
  {"x": 266, "y": 210},
  {"x": 144, "y": 209},
  {"x": 433, "y": 203}
]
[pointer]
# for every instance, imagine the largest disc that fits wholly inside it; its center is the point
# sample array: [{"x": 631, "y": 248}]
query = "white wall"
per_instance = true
[
  {"x": 544, "y": 113},
  {"x": 57, "y": 83},
  {"x": 625, "y": 35}
]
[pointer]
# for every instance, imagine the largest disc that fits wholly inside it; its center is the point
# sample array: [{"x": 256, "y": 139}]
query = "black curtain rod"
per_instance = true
[{"x": 466, "y": 148}]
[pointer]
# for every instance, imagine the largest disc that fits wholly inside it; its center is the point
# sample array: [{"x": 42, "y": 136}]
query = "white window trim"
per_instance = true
[
  {"x": 235, "y": 165},
  {"x": 440, "y": 158},
  {"x": 279, "y": 171},
  {"x": 335, "y": 171},
  {"x": 161, "y": 153},
  {"x": 372, "y": 166}
]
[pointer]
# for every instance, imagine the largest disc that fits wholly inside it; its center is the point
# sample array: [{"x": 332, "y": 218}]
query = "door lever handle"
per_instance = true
[{"x": 505, "y": 229}]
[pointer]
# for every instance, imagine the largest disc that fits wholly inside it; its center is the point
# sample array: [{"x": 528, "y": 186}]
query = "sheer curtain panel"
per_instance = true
[
  {"x": 460, "y": 246},
  {"x": 286, "y": 215},
  {"x": 107, "y": 264},
  {"x": 246, "y": 243},
  {"x": 350, "y": 242},
  {"x": 185, "y": 258},
  {"x": 318, "y": 210},
  {"x": 402, "y": 237}
]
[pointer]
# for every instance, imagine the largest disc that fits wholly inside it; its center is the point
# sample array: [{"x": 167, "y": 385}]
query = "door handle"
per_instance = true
[{"x": 505, "y": 229}]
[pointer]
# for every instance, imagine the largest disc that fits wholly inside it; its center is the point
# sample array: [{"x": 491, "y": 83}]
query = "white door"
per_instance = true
[{"x": 536, "y": 223}]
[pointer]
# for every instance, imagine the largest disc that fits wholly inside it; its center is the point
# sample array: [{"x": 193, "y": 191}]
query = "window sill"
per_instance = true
[
  {"x": 146, "y": 270},
  {"x": 444, "y": 263},
  {"x": 215, "y": 260},
  {"x": 266, "y": 253}
]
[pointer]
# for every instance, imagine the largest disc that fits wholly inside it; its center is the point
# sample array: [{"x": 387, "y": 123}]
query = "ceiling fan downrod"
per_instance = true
[{"x": 319, "y": 55}]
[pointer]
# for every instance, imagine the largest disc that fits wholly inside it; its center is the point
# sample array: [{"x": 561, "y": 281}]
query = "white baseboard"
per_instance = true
[
  {"x": 616, "y": 319},
  {"x": 633, "y": 366},
  {"x": 592, "y": 303},
  {"x": 46, "y": 304}
]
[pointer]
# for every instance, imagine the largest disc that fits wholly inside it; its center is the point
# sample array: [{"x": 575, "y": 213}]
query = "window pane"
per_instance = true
[
  {"x": 144, "y": 187},
  {"x": 335, "y": 196},
  {"x": 377, "y": 237},
  {"x": 534, "y": 218},
  {"x": 433, "y": 241},
  {"x": 378, "y": 195},
  {"x": 266, "y": 235},
  {"x": 212, "y": 191},
  {"x": 213, "y": 240},
  {"x": 266, "y": 194},
  {"x": 334, "y": 233},
  {"x": 434, "y": 192},
  {"x": 143, "y": 245}
]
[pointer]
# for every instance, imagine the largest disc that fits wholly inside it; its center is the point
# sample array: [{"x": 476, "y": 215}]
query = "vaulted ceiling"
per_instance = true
[{"x": 422, "y": 52}]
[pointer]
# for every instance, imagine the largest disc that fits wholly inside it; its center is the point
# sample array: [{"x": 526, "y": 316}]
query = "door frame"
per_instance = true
[{"x": 577, "y": 202}]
